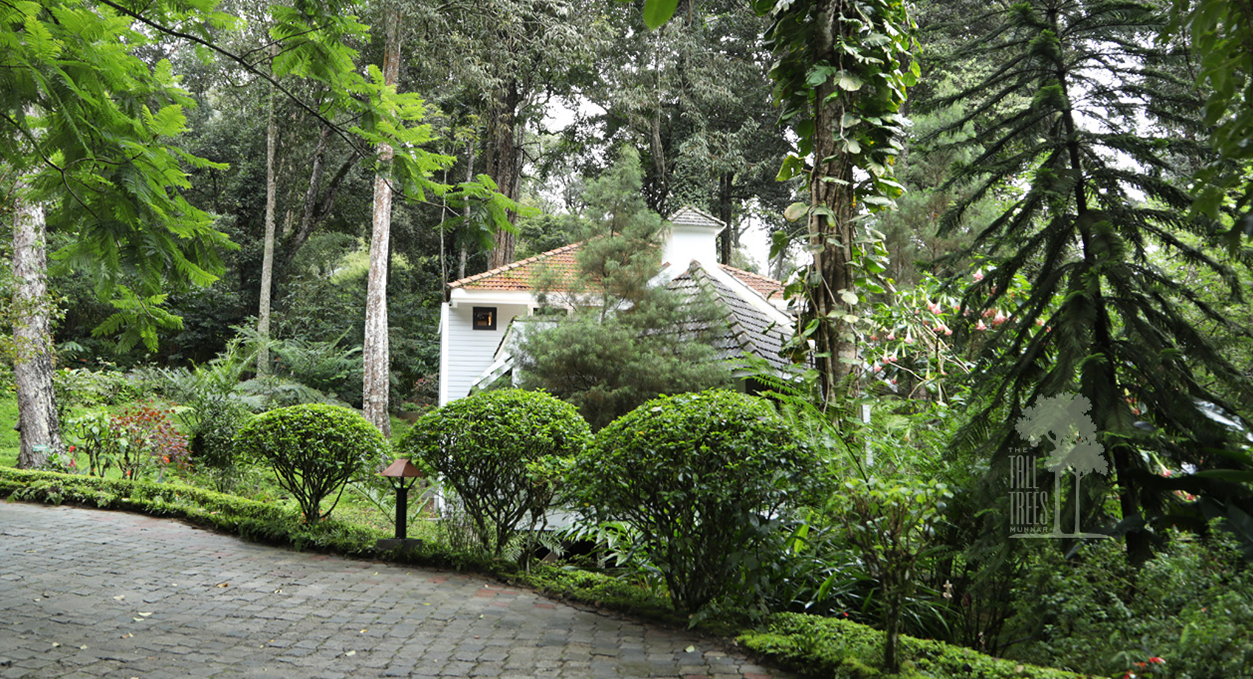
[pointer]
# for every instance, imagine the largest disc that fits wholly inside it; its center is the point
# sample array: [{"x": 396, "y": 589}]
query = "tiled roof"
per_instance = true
[
  {"x": 766, "y": 287},
  {"x": 524, "y": 275},
  {"x": 691, "y": 216},
  {"x": 748, "y": 329}
]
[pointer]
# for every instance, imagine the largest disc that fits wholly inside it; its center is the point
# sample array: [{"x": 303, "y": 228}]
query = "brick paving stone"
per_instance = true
[{"x": 154, "y": 598}]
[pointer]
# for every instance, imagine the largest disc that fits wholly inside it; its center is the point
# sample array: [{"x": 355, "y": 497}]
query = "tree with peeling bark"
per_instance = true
[
  {"x": 31, "y": 310},
  {"x": 377, "y": 357},
  {"x": 267, "y": 262}
]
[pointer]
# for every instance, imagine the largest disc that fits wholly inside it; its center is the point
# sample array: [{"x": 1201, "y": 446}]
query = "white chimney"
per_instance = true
[{"x": 693, "y": 236}]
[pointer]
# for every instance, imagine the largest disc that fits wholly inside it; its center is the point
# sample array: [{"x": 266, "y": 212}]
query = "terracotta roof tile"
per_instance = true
[
  {"x": 523, "y": 275},
  {"x": 766, "y": 287}
]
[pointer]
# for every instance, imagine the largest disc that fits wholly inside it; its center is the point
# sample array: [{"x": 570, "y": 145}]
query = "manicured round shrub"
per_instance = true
[
  {"x": 705, "y": 478},
  {"x": 502, "y": 453},
  {"x": 314, "y": 450}
]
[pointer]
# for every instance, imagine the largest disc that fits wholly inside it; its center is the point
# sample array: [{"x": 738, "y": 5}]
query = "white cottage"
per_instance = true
[{"x": 481, "y": 309}]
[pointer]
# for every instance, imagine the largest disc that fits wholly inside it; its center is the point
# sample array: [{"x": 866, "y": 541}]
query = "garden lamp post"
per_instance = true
[{"x": 402, "y": 475}]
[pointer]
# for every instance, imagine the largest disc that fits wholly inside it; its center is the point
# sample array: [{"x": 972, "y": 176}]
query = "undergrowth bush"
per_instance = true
[
  {"x": 136, "y": 441},
  {"x": 1190, "y": 606},
  {"x": 503, "y": 453},
  {"x": 841, "y": 649},
  {"x": 314, "y": 450},
  {"x": 706, "y": 479}
]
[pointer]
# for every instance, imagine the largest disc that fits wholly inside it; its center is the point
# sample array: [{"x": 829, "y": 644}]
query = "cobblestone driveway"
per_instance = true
[{"x": 86, "y": 593}]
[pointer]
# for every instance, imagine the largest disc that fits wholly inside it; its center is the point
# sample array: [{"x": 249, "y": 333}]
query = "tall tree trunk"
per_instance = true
[
  {"x": 502, "y": 163},
  {"x": 726, "y": 214},
  {"x": 376, "y": 354},
  {"x": 317, "y": 207},
  {"x": 267, "y": 259},
  {"x": 40, "y": 430},
  {"x": 831, "y": 236},
  {"x": 461, "y": 250}
]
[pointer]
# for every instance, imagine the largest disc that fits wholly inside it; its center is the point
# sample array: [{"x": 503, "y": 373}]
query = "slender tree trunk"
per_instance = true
[
  {"x": 502, "y": 163},
  {"x": 1078, "y": 477},
  {"x": 267, "y": 259},
  {"x": 461, "y": 253},
  {"x": 831, "y": 237},
  {"x": 316, "y": 209},
  {"x": 1057, "y": 502},
  {"x": 726, "y": 214},
  {"x": 39, "y": 427},
  {"x": 892, "y": 635},
  {"x": 377, "y": 358}
]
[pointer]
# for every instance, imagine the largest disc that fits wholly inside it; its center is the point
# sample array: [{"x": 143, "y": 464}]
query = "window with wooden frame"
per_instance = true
[{"x": 484, "y": 318}]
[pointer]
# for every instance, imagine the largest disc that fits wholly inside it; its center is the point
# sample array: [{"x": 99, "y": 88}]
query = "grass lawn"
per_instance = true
[
  {"x": 8, "y": 436},
  {"x": 353, "y": 506}
]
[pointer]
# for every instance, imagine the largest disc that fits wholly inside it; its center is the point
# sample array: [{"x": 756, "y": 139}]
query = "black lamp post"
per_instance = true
[{"x": 402, "y": 475}]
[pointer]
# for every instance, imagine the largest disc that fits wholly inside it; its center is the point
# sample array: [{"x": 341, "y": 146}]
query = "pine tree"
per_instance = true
[
  {"x": 1090, "y": 116},
  {"x": 620, "y": 346}
]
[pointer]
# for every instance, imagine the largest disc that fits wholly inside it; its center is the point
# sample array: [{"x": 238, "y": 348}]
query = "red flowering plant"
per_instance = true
[
  {"x": 1144, "y": 668},
  {"x": 135, "y": 441}
]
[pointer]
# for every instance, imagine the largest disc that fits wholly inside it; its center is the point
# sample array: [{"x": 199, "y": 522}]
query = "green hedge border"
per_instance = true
[{"x": 810, "y": 645}]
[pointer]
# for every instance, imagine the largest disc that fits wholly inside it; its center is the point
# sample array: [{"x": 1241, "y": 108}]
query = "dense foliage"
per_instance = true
[
  {"x": 1075, "y": 219},
  {"x": 502, "y": 453},
  {"x": 314, "y": 450},
  {"x": 706, "y": 478},
  {"x": 628, "y": 338},
  {"x": 1102, "y": 205}
]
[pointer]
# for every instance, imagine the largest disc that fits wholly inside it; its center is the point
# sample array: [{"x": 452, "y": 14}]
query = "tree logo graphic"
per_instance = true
[{"x": 1063, "y": 426}]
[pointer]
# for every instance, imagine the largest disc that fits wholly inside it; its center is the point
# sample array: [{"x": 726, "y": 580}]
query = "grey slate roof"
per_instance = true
[{"x": 748, "y": 329}]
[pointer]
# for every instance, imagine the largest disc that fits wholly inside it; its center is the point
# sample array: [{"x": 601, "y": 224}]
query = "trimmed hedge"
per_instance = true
[
  {"x": 503, "y": 452},
  {"x": 842, "y": 649},
  {"x": 705, "y": 478},
  {"x": 314, "y": 450}
]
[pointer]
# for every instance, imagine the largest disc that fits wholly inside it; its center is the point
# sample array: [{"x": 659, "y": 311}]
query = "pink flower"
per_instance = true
[
  {"x": 892, "y": 335},
  {"x": 981, "y": 326},
  {"x": 999, "y": 319},
  {"x": 978, "y": 275},
  {"x": 1157, "y": 661},
  {"x": 933, "y": 308}
]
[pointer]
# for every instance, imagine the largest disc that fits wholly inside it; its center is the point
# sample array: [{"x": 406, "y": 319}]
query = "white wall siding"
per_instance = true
[{"x": 467, "y": 352}]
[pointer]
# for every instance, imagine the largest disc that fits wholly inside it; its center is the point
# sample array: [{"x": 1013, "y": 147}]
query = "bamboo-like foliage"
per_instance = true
[{"x": 1088, "y": 125}]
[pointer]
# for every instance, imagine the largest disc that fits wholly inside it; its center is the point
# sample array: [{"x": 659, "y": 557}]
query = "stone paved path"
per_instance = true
[{"x": 86, "y": 593}]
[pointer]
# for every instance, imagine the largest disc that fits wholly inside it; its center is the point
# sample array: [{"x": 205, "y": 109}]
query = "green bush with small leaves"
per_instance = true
[
  {"x": 502, "y": 452},
  {"x": 314, "y": 450},
  {"x": 706, "y": 479}
]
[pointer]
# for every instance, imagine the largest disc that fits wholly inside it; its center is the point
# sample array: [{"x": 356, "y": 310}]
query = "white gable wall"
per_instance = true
[{"x": 465, "y": 352}]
